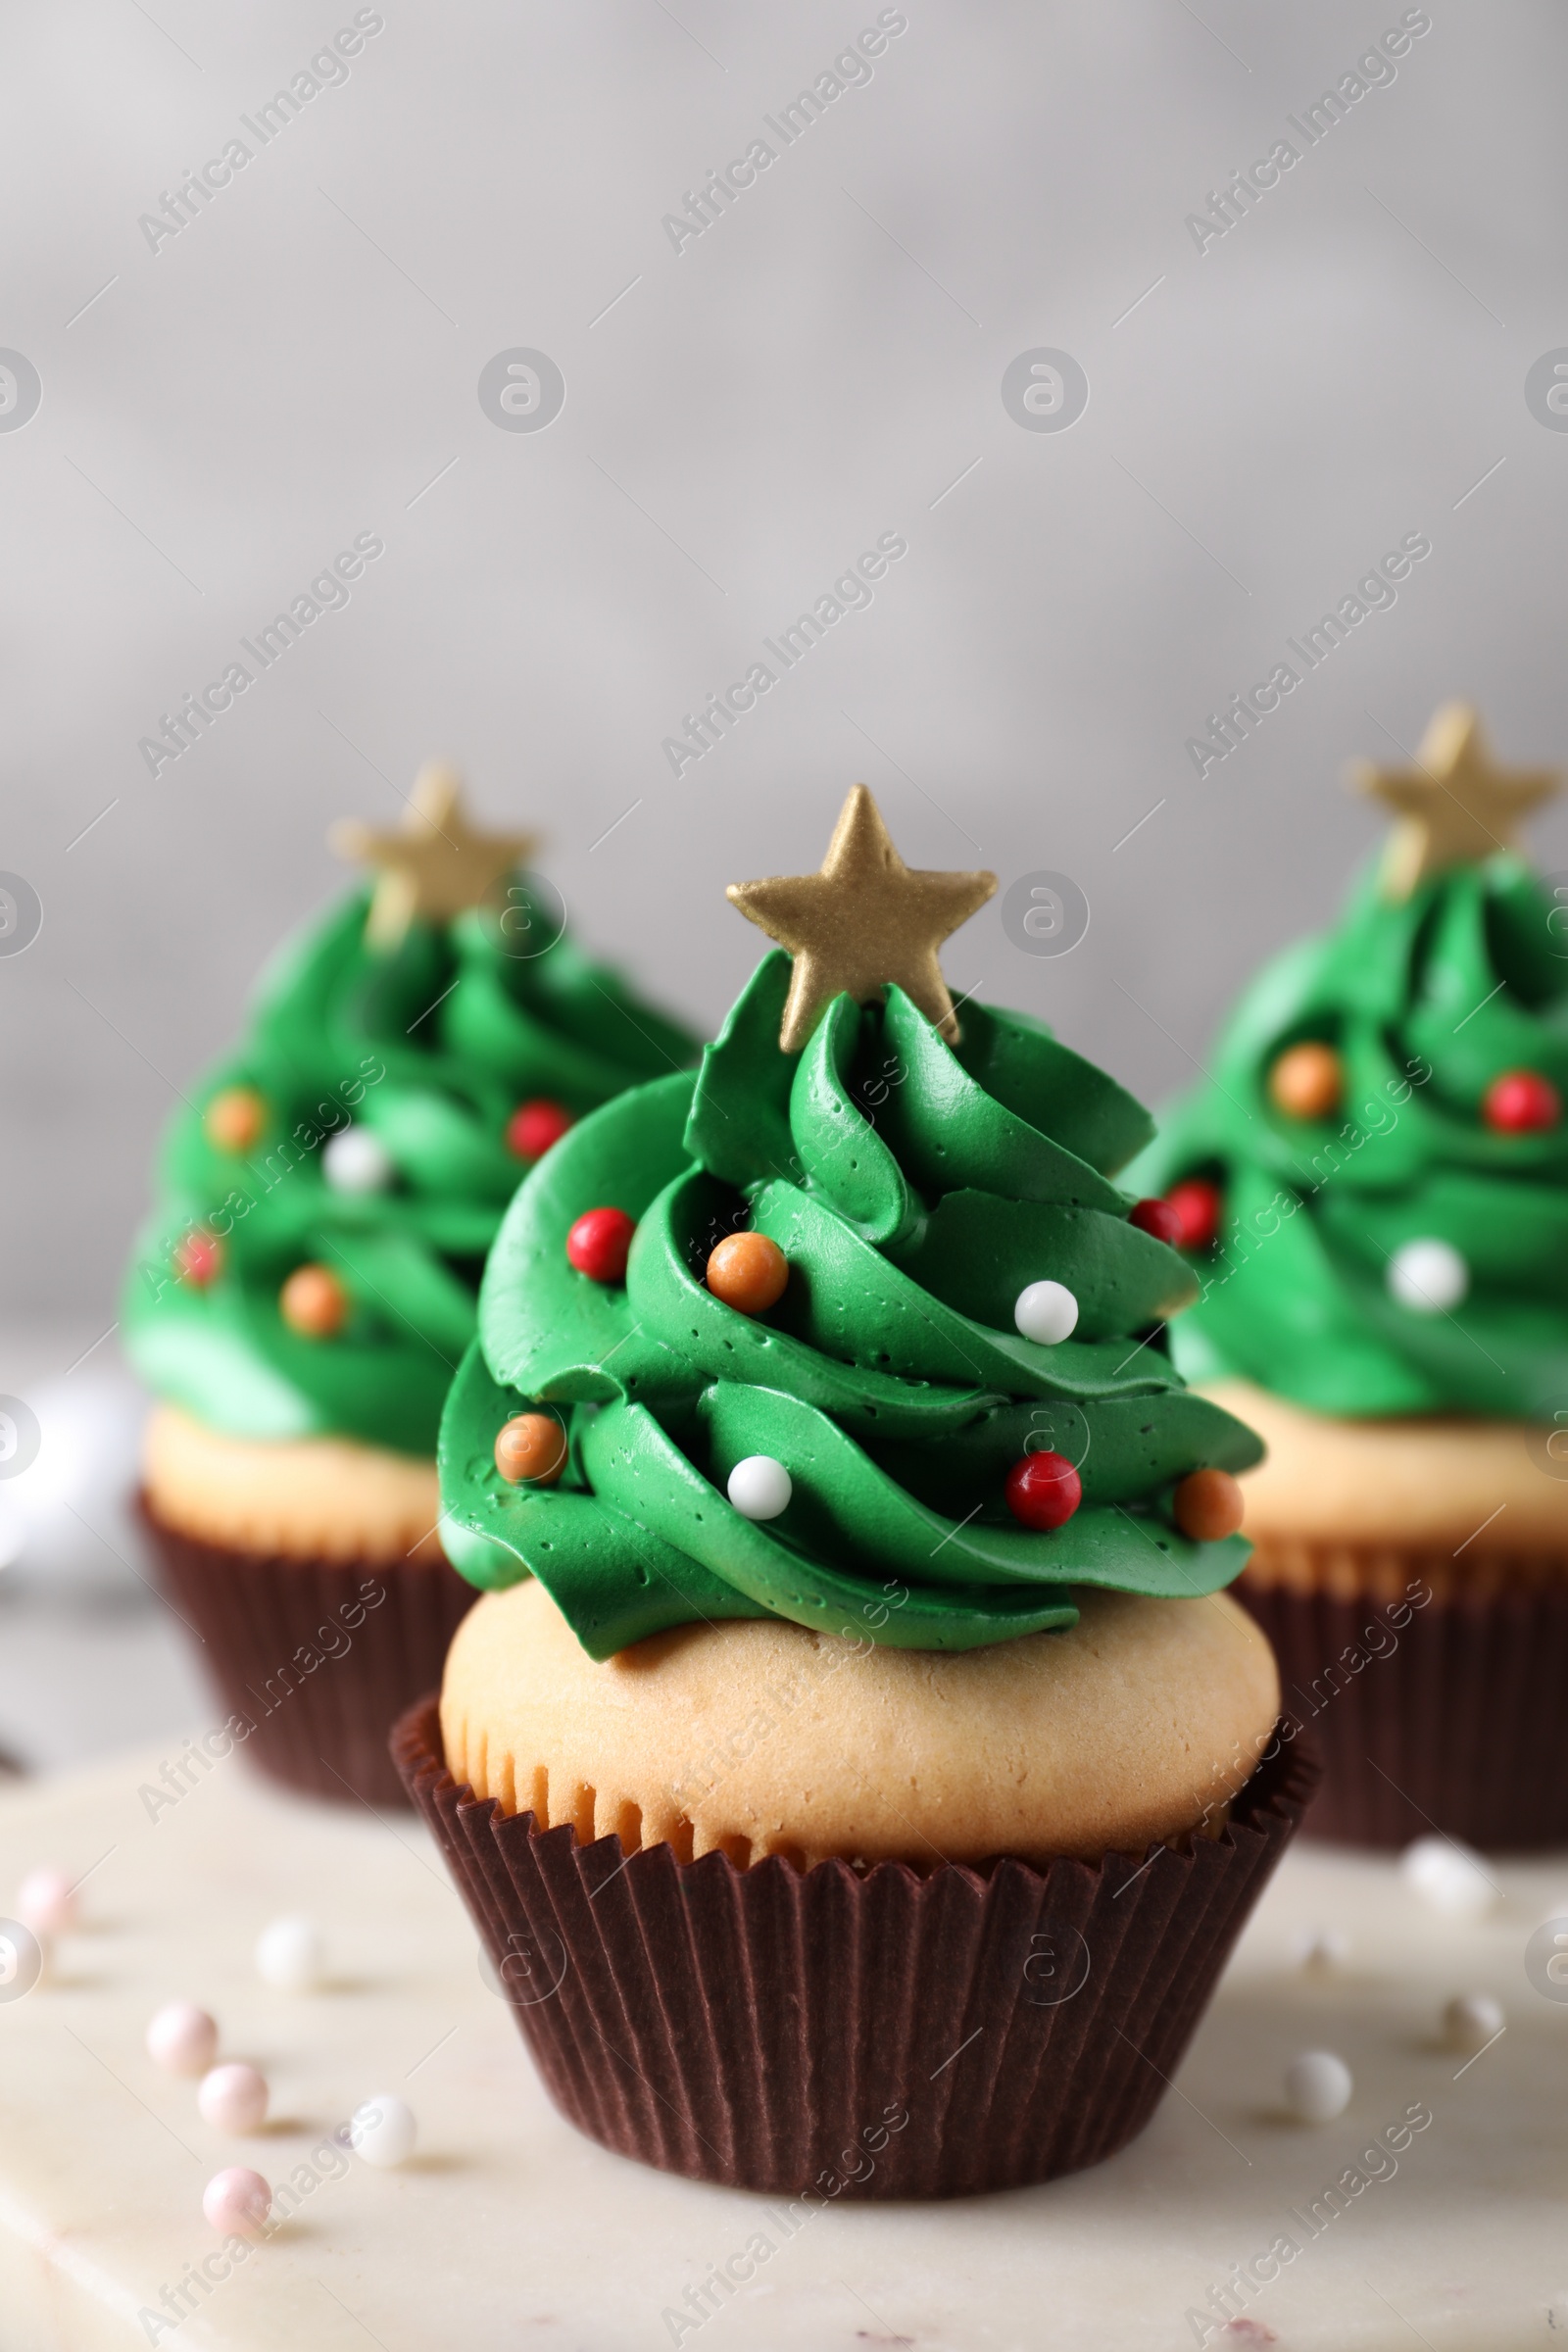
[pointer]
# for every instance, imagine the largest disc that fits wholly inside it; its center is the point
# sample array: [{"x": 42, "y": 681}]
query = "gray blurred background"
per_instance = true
[{"x": 1267, "y": 416}]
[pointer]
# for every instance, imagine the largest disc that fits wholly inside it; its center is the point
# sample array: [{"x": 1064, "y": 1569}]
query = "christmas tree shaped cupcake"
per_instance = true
[
  {"x": 307, "y": 1283},
  {"x": 855, "y": 1561},
  {"x": 1372, "y": 1187}
]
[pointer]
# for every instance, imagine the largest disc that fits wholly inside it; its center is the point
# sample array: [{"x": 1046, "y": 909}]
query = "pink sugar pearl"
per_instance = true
[
  {"x": 46, "y": 1901},
  {"x": 182, "y": 2037},
  {"x": 237, "y": 2202},
  {"x": 234, "y": 2097}
]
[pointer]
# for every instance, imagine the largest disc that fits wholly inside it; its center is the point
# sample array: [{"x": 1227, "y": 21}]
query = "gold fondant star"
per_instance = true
[
  {"x": 865, "y": 920},
  {"x": 1454, "y": 805},
  {"x": 436, "y": 863}
]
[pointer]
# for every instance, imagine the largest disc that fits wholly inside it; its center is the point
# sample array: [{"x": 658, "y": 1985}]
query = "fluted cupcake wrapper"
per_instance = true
[
  {"x": 838, "y": 2032},
  {"x": 318, "y": 1657},
  {"x": 1443, "y": 1717}
]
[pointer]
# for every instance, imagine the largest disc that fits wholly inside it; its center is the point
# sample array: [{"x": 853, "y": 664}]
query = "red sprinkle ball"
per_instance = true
[
  {"x": 1195, "y": 1205},
  {"x": 1044, "y": 1490},
  {"x": 1521, "y": 1102},
  {"x": 1158, "y": 1218},
  {"x": 535, "y": 1126},
  {"x": 597, "y": 1244},
  {"x": 198, "y": 1258}
]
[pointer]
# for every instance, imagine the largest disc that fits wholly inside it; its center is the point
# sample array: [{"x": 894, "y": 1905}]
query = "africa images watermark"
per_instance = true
[
  {"x": 1229, "y": 206},
  {"x": 327, "y": 70},
  {"x": 1378, "y": 2161},
  {"x": 850, "y": 69},
  {"x": 198, "y": 1757},
  {"x": 1244, "y": 714},
  {"x": 850, "y": 593},
  {"x": 328, "y": 592},
  {"x": 287, "y": 1154}
]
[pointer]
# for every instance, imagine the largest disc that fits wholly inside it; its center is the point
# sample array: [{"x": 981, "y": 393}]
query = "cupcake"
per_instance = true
[
  {"x": 1372, "y": 1186},
  {"x": 306, "y": 1289},
  {"x": 854, "y": 1769}
]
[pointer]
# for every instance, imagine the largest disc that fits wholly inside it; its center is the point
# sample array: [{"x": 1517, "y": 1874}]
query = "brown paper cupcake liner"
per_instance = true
[
  {"x": 1443, "y": 1716},
  {"x": 838, "y": 2032},
  {"x": 318, "y": 1657}
]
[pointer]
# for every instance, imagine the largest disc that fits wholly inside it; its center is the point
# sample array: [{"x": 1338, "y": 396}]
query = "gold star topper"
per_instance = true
[
  {"x": 866, "y": 919},
  {"x": 1454, "y": 805},
  {"x": 435, "y": 863}
]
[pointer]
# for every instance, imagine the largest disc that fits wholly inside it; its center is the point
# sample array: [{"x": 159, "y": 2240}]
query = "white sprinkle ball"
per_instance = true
[
  {"x": 1428, "y": 1276},
  {"x": 384, "y": 2131},
  {"x": 234, "y": 2097},
  {"x": 760, "y": 1488},
  {"x": 1045, "y": 1311},
  {"x": 358, "y": 1162},
  {"x": 46, "y": 1901},
  {"x": 1317, "y": 2087},
  {"x": 182, "y": 2037},
  {"x": 291, "y": 1955},
  {"x": 1322, "y": 1950},
  {"x": 1451, "y": 1876},
  {"x": 237, "y": 2202},
  {"x": 1470, "y": 2021}
]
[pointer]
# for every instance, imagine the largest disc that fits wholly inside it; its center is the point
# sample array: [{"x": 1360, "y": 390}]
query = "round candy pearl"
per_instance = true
[
  {"x": 1470, "y": 2021},
  {"x": 1428, "y": 1276},
  {"x": 1450, "y": 1876},
  {"x": 384, "y": 2131},
  {"x": 291, "y": 1955},
  {"x": 533, "y": 1447},
  {"x": 749, "y": 1272},
  {"x": 358, "y": 1162},
  {"x": 535, "y": 1126},
  {"x": 182, "y": 2037},
  {"x": 198, "y": 1259},
  {"x": 1044, "y": 1490},
  {"x": 1157, "y": 1219},
  {"x": 1307, "y": 1081},
  {"x": 760, "y": 1488},
  {"x": 1317, "y": 2087},
  {"x": 234, "y": 2097},
  {"x": 1208, "y": 1505},
  {"x": 1197, "y": 1207},
  {"x": 1521, "y": 1102},
  {"x": 46, "y": 1902},
  {"x": 1045, "y": 1311},
  {"x": 234, "y": 1118},
  {"x": 1322, "y": 1950},
  {"x": 599, "y": 1242},
  {"x": 314, "y": 1302},
  {"x": 237, "y": 2202}
]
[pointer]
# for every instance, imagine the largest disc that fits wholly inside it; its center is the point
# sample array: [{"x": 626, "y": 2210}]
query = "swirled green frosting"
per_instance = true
[
  {"x": 915, "y": 1190},
  {"x": 1426, "y": 1001},
  {"x": 430, "y": 1048}
]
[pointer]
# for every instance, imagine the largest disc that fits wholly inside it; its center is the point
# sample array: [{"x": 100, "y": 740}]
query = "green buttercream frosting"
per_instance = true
[
  {"x": 915, "y": 1190},
  {"x": 1427, "y": 1001},
  {"x": 429, "y": 1049}
]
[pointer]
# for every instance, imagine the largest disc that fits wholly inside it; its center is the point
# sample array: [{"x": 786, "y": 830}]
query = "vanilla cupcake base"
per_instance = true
[
  {"x": 853, "y": 2031},
  {"x": 312, "y": 1576},
  {"x": 760, "y": 1737},
  {"x": 1412, "y": 1577}
]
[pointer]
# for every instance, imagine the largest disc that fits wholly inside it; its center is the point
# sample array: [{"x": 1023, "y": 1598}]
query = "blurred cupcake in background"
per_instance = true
[
  {"x": 305, "y": 1290},
  {"x": 1372, "y": 1185}
]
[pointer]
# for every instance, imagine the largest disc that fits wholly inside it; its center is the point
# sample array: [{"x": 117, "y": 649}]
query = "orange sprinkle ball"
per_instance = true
[
  {"x": 1208, "y": 1505},
  {"x": 234, "y": 1118},
  {"x": 749, "y": 1272},
  {"x": 314, "y": 1302},
  {"x": 1307, "y": 1081},
  {"x": 531, "y": 1446}
]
